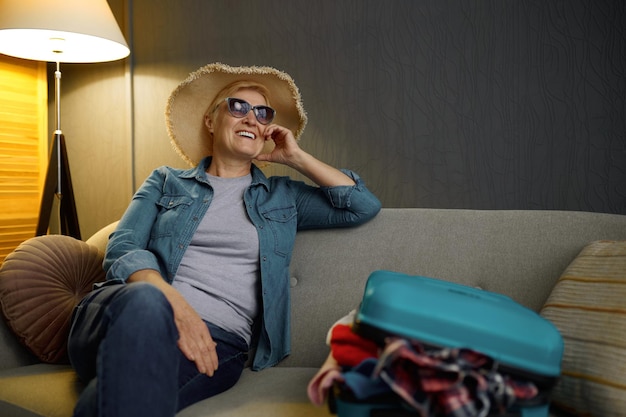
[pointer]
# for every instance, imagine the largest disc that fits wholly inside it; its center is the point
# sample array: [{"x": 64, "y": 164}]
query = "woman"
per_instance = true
[{"x": 198, "y": 267}]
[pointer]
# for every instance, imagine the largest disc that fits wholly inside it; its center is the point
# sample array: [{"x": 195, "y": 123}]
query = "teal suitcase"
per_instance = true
[{"x": 441, "y": 314}]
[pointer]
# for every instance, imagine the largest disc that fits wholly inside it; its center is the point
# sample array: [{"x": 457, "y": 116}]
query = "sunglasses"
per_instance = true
[{"x": 240, "y": 108}]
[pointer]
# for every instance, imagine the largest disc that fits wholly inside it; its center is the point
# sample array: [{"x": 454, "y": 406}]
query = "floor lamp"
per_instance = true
[{"x": 72, "y": 31}]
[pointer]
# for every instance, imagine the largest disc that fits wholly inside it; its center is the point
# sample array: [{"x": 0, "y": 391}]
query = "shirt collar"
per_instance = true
[{"x": 198, "y": 172}]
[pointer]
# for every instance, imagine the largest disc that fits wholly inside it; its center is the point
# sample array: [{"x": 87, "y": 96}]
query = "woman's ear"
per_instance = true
[{"x": 208, "y": 122}]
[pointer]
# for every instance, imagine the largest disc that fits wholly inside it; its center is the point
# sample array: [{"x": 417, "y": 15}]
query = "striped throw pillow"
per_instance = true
[{"x": 588, "y": 306}]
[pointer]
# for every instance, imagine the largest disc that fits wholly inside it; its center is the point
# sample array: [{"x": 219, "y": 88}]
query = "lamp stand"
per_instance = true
[{"x": 58, "y": 178}]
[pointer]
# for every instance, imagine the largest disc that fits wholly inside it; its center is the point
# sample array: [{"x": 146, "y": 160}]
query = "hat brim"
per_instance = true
[{"x": 188, "y": 103}]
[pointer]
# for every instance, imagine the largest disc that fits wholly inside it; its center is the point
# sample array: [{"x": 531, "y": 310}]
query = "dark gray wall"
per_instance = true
[
  {"x": 477, "y": 104},
  {"x": 485, "y": 104}
]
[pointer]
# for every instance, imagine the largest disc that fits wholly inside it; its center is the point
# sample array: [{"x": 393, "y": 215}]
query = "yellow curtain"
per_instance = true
[{"x": 23, "y": 148}]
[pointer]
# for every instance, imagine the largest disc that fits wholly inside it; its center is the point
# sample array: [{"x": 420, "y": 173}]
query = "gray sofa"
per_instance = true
[{"x": 518, "y": 253}]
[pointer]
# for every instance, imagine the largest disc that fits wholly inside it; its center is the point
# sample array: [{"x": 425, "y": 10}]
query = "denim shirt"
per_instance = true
[{"x": 164, "y": 214}]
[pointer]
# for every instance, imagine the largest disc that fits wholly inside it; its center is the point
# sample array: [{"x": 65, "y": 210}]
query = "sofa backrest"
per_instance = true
[
  {"x": 517, "y": 253},
  {"x": 520, "y": 253}
]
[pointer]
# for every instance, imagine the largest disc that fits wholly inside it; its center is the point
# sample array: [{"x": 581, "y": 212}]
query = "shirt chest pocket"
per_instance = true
[
  {"x": 283, "y": 224},
  {"x": 173, "y": 213}
]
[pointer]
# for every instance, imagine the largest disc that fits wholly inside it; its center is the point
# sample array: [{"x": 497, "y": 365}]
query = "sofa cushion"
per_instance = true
[
  {"x": 588, "y": 306},
  {"x": 279, "y": 391},
  {"x": 52, "y": 390},
  {"x": 40, "y": 283},
  {"x": 39, "y": 390}
]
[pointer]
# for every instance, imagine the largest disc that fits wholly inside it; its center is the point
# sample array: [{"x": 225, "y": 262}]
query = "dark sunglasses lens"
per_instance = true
[
  {"x": 264, "y": 114},
  {"x": 238, "y": 108}
]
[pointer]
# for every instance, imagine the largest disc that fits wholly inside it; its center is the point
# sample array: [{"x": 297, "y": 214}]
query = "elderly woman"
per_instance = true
[{"x": 198, "y": 268}]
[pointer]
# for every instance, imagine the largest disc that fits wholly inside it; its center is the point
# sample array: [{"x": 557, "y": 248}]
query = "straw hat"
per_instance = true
[{"x": 188, "y": 103}]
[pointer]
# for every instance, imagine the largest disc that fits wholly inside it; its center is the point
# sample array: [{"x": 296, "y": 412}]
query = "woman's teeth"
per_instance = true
[{"x": 245, "y": 134}]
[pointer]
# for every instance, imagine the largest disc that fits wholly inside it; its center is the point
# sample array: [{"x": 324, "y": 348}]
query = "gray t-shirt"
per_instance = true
[{"x": 219, "y": 272}]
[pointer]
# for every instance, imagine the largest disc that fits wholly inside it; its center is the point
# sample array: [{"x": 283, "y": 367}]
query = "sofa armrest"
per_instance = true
[
  {"x": 100, "y": 239},
  {"x": 12, "y": 353}
]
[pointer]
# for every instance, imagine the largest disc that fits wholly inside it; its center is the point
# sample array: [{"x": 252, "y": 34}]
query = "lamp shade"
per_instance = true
[{"x": 60, "y": 31}]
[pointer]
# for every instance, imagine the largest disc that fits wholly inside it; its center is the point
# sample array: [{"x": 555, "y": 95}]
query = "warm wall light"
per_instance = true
[{"x": 58, "y": 31}]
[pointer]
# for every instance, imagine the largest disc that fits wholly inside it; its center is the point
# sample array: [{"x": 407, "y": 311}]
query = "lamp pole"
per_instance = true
[
  {"x": 58, "y": 179},
  {"x": 57, "y": 122}
]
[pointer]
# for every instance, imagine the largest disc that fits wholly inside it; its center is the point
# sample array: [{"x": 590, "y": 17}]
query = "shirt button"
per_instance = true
[{"x": 264, "y": 258}]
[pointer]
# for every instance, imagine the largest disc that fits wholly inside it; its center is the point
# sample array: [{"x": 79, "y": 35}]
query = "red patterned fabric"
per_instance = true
[
  {"x": 348, "y": 348},
  {"x": 441, "y": 382}
]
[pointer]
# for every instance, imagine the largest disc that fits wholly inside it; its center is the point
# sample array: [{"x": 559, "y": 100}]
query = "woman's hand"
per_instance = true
[
  {"x": 194, "y": 339},
  {"x": 286, "y": 148},
  {"x": 287, "y": 152}
]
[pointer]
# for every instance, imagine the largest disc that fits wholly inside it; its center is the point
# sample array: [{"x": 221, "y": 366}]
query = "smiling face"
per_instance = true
[{"x": 237, "y": 138}]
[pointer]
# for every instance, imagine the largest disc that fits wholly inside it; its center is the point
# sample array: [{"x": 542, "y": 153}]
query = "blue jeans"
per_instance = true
[{"x": 123, "y": 345}]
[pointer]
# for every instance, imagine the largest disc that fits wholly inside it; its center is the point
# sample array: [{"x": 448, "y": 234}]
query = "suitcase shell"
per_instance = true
[{"x": 443, "y": 314}]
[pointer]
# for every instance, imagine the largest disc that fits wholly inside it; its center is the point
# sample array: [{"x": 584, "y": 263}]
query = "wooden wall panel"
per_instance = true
[
  {"x": 96, "y": 112},
  {"x": 23, "y": 148}
]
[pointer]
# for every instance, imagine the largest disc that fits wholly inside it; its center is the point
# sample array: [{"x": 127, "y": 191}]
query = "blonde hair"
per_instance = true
[{"x": 231, "y": 89}]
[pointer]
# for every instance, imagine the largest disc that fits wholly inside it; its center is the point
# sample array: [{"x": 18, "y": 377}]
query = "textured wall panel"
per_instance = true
[{"x": 488, "y": 104}]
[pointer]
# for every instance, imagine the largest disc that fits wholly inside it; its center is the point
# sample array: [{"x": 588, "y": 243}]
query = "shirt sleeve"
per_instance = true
[
  {"x": 127, "y": 248},
  {"x": 340, "y": 206}
]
